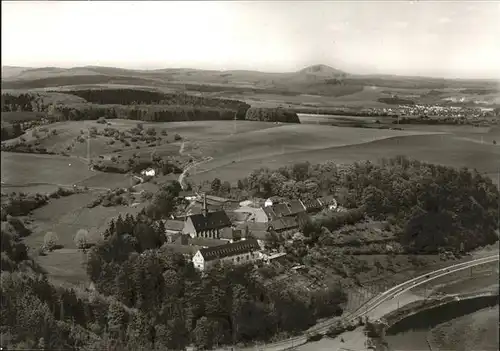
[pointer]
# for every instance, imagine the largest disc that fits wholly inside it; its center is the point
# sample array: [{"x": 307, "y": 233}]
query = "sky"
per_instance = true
[{"x": 427, "y": 38}]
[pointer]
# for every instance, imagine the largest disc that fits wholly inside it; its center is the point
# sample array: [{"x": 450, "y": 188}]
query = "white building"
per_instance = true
[
  {"x": 239, "y": 252},
  {"x": 150, "y": 172}
]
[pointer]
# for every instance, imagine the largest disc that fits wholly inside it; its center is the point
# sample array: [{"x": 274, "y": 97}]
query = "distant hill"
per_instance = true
[
  {"x": 317, "y": 79},
  {"x": 323, "y": 70},
  {"x": 12, "y": 71}
]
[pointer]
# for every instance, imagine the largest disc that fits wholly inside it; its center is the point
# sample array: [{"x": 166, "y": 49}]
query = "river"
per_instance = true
[{"x": 475, "y": 330}]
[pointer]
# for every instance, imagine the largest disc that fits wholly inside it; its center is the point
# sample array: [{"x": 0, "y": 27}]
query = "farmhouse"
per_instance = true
[
  {"x": 173, "y": 228},
  {"x": 239, "y": 252},
  {"x": 328, "y": 202},
  {"x": 286, "y": 209},
  {"x": 312, "y": 205},
  {"x": 149, "y": 172},
  {"x": 273, "y": 201},
  {"x": 284, "y": 225}
]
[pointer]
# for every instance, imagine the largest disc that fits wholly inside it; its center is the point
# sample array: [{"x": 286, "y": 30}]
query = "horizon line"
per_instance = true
[{"x": 136, "y": 68}]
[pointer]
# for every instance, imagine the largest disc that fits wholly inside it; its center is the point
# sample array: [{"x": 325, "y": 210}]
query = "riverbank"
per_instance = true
[
  {"x": 432, "y": 324},
  {"x": 475, "y": 331}
]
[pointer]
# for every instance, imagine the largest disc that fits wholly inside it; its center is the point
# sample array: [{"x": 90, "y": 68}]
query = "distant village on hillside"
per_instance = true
[{"x": 218, "y": 230}]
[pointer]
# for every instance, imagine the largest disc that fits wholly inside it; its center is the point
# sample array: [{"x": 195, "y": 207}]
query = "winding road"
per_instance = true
[
  {"x": 371, "y": 304},
  {"x": 184, "y": 173}
]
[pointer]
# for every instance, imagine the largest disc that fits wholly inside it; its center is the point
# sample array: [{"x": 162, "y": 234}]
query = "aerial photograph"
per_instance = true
[{"x": 250, "y": 175}]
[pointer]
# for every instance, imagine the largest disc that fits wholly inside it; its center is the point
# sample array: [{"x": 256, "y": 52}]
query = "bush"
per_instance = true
[
  {"x": 177, "y": 137},
  {"x": 50, "y": 241},
  {"x": 81, "y": 239}
]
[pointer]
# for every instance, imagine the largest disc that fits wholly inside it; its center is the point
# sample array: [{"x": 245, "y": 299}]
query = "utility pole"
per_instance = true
[
  {"x": 498, "y": 214},
  {"x": 88, "y": 145}
]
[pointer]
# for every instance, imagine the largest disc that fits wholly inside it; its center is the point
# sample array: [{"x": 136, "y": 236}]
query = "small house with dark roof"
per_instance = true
[
  {"x": 273, "y": 200},
  {"x": 239, "y": 252},
  {"x": 269, "y": 211},
  {"x": 173, "y": 229},
  {"x": 296, "y": 207},
  {"x": 173, "y": 226},
  {"x": 230, "y": 235},
  {"x": 281, "y": 210},
  {"x": 328, "y": 202},
  {"x": 283, "y": 225},
  {"x": 312, "y": 205},
  {"x": 285, "y": 209}
]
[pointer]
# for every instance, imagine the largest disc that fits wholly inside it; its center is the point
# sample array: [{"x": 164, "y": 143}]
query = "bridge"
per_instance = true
[{"x": 370, "y": 305}]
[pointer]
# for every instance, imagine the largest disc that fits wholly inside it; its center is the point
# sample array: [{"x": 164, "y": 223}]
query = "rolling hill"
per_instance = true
[{"x": 317, "y": 85}]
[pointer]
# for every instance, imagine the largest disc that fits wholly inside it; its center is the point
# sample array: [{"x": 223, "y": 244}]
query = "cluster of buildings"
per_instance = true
[
  {"x": 445, "y": 111},
  {"x": 220, "y": 230}
]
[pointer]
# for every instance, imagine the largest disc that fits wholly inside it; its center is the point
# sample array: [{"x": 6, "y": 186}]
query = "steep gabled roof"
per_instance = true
[
  {"x": 253, "y": 226},
  {"x": 204, "y": 242},
  {"x": 236, "y": 248},
  {"x": 296, "y": 207},
  {"x": 284, "y": 223},
  {"x": 213, "y": 220},
  {"x": 312, "y": 204},
  {"x": 174, "y": 225},
  {"x": 281, "y": 210},
  {"x": 270, "y": 212}
]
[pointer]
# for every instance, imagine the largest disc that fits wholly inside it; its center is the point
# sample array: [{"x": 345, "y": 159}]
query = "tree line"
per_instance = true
[{"x": 433, "y": 207}]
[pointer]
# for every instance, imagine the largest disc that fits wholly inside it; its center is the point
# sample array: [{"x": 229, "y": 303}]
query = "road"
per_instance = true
[
  {"x": 371, "y": 304},
  {"x": 184, "y": 173}
]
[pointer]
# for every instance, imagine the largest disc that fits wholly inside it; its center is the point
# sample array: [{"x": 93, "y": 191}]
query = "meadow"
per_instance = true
[
  {"x": 34, "y": 169},
  {"x": 65, "y": 216},
  {"x": 447, "y": 149}
]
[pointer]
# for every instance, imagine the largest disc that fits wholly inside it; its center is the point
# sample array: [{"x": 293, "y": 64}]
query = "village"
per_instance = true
[{"x": 218, "y": 230}]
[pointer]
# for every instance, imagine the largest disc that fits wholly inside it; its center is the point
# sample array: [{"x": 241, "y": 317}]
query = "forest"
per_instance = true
[
  {"x": 143, "y": 105},
  {"x": 431, "y": 206}
]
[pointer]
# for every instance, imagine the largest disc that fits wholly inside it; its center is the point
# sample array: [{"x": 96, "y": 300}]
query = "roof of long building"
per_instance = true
[
  {"x": 227, "y": 250},
  {"x": 213, "y": 220},
  {"x": 284, "y": 223}
]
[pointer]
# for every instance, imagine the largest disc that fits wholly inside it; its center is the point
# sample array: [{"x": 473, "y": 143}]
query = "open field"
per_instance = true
[
  {"x": 26, "y": 169},
  {"x": 65, "y": 216},
  {"x": 286, "y": 140},
  {"x": 446, "y": 149}
]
